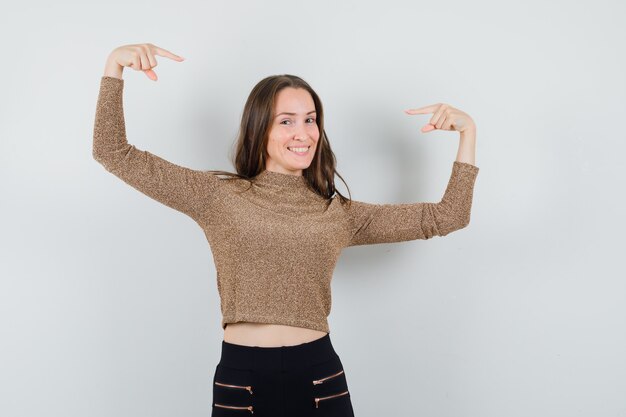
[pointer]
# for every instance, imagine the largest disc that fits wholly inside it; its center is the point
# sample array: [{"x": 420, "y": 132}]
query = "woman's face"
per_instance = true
[{"x": 293, "y": 126}]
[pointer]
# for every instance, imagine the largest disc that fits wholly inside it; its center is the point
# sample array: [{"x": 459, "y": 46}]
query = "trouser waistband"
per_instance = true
[{"x": 277, "y": 358}]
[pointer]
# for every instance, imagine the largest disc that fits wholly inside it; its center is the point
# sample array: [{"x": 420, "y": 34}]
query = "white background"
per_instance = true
[{"x": 108, "y": 300}]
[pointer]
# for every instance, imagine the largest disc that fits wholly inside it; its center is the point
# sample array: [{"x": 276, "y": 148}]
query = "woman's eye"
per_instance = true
[{"x": 310, "y": 118}]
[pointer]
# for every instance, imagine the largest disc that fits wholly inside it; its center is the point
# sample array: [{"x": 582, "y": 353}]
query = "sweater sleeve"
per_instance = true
[
  {"x": 180, "y": 188},
  {"x": 387, "y": 223}
]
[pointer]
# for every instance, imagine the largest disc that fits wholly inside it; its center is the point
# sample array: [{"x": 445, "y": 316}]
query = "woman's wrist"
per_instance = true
[
  {"x": 467, "y": 146},
  {"x": 469, "y": 133},
  {"x": 113, "y": 69}
]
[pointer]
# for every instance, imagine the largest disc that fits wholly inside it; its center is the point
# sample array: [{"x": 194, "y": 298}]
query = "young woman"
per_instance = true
[{"x": 276, "y": 228}]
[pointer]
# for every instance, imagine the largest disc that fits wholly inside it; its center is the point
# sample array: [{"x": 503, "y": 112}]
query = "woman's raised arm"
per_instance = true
[
  {"x": 180, "y": 188},
  {"x": 387, "y": 223}
]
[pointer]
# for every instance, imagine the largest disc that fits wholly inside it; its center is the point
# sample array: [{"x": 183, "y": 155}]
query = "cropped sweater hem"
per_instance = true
[{"x": 288, "y": 321}]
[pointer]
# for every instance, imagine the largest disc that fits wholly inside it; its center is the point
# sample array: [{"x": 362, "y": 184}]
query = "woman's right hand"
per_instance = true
[{"x": 140, "y": 57}]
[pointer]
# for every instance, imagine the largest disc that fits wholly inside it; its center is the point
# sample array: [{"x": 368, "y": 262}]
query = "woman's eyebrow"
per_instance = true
[{"x": 293, "y": 114}]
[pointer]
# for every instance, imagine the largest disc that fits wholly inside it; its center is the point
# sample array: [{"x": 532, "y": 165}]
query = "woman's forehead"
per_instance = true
[{"x": 290, "y": 100}]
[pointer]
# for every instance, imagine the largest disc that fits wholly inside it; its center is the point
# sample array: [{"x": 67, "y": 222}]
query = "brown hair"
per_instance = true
[{"x": 251, "y": 145}]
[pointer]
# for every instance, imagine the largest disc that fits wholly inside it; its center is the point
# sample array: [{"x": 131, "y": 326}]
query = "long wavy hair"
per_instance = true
[{"x": 250, "y": 151}]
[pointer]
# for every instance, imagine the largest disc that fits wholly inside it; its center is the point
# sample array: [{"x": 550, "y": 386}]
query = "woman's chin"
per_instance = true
[{"x": 301, "y": 165}]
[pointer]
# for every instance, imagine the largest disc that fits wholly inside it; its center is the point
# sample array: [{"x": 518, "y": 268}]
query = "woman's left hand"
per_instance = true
[{"x": 445, "y": 117}]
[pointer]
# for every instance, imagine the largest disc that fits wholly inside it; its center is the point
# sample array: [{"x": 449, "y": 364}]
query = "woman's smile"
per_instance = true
[{"x": 301, "y": 151}]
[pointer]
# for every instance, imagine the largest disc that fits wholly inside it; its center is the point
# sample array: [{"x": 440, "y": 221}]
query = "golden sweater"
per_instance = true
[{"x": 275, "y": 243}]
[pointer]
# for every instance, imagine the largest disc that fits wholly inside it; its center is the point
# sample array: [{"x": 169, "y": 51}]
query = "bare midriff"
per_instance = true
[{"x": 268, "y": 335}]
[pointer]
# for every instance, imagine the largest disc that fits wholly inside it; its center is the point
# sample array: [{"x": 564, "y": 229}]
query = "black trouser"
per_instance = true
[{"x": 284, "y": 381}]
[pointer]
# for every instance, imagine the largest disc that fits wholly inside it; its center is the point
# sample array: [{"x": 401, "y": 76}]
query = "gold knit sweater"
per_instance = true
[{"x": 275, "y": 244}]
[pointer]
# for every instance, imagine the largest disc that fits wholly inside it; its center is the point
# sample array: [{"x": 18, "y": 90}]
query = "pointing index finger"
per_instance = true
[
  {"x": 422, "y": 110},
  {"x": 167, "y": 54}
]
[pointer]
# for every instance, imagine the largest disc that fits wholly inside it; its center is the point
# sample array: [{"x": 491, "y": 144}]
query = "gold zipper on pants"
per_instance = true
[
  {"x": 248, "y": 387},
  {"x": 249, "y": 407},
  {"x": 317, "y": 400},
  {"x": 320, "y": 381}
]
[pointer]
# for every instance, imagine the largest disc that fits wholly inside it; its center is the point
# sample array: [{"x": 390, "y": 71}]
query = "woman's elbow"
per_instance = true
[
  {"x": 457, "y": 222},
  {"x": 462, "y": 221}
]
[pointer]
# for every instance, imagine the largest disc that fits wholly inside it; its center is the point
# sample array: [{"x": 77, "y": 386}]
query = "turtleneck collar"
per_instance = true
[{"x": 278, "y": 179}]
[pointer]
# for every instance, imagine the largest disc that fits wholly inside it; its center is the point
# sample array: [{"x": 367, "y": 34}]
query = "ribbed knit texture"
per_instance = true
[{"x": 276, "y": 243}]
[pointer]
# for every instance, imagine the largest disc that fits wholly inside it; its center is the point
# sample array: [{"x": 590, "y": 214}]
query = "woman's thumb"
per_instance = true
[{"x": 151, "y": 74}]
